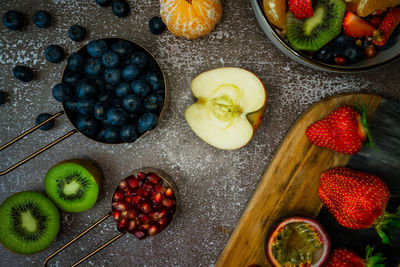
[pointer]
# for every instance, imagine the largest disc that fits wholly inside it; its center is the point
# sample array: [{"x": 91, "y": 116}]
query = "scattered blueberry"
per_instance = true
[
  {"x": 93, "y": 66},
  {"x": 130, "y": 72},
  {"x": 62, "y": 92},
  {"x": 77, "y": 33},
  {"x": 96, "y": 48},
  {"x": 75, "y": 62},
  {"x": 100, "y": 110},
  {"x": 54, "y": 53},
  {"x": 343, "y": 41},
  {"x": 147, "y": 122},
  {"x": 353, "y": 53},
  {"x": 132, "y": 103},
  {"x": 325, "y": 54},
  {"x": 86, "y": 89},
  {"x": 123, "y": 89},
  {"x": 116, "y": 116},
  {"x": 72, "y": 78},
  {"x": 3, "y": 97},
  {"x": 112, "y": 76},
  {"x": 120, "y": 8},
  {"x": 112, "y": 135},
  {"x": 110, "y": 59},
  {"x": 23, "y": 73},
  {"x": 13, "y": 20},
  {"x": 85, "y": 107},
  {"x": 71, "y": 105},
  {"x": 41, "y": 118},
  {"x": 155, "y": 80},
  {"x": 153, "y": 103},
  {"x": 128, "y": 133},
  {"x": 87, "y": 125},
  {"x": 42, "y": 19},
  {"x": 123, "y": 48},
  {"x": 103, "y": 3},
  {"x": 140, "y": 87},
  {"x": 140, "y": 59},
  {"x": 156, "y": 25}
]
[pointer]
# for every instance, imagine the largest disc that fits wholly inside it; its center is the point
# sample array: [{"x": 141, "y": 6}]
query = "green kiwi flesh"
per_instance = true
[
  {"x": 29, "y": 222},
  {"x": 73, "y": 185},
  {"x": 313, "y": 33}
]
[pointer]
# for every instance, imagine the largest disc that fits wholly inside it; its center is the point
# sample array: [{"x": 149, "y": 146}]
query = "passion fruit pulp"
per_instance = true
[{"x": 298, "y": 241}]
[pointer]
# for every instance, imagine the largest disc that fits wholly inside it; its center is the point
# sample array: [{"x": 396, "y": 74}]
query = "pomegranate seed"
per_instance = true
[
  {"x": 159, "y": 188},
  {"x": 141, "y": 176},
  {"x": 127, "y": 199},
  {"x": 124, "y": 214},
  {"x": 144, "y": 226},
  {"x": 127, "y": 191},
  {"x": 163, "y": 222},
  {"x": 157, "y": 198},
  {"x": 145, "y": 207},
  {"x": 133, "y": 181},
  {"x": 153, "y": 178},
  {"x": 153, "y": 230},
  {"x": 144, "y": 218},
  {"x": 120, "y": 205},
  {"x": 340, "y": 60},
  {"x": 167, "y": 203},
  {"x": 135, "y": 200},
  {"x": 122, "y": 225},
  {"x": 122, "y": 184},
  {"x": 139, "y": 234},
  {"x": 169, "y": 193},
  {"x": 132, "y": 213},
  {"x": 131, "y": 225},
  {"x": 158, "y": 214},
  {"x": 148, "y": 186},
  {"x": 118, "y": 195},
  {"x": 144, "y": 193},
  {"x": 116, "y": 215}
]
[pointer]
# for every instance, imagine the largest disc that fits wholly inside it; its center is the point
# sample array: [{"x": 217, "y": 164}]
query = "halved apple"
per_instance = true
[{"x": 230, "y": 107}]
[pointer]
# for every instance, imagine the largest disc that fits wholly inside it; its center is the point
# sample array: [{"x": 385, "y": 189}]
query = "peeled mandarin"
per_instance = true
[
  {"x": 366, "y": 7},
  {"x": 275, "y": 10}
]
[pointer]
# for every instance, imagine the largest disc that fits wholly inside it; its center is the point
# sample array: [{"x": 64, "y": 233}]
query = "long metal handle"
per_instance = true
[
  {"x": 40, "y": 150},
  {"x": 76, "y": 238},
  {"x": 98, "y": 249}
]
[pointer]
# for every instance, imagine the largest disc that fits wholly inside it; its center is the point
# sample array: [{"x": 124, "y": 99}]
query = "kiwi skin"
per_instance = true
[{"x": 90, "y": 167}]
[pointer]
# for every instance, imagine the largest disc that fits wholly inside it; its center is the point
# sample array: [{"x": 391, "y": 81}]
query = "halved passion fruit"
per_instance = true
[{"x": 298, "y": 241}]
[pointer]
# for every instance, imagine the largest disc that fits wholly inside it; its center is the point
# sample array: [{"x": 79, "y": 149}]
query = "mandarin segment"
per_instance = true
[
  {"x": 366, "y": 7},
  {"x": 275, "y": 10}
]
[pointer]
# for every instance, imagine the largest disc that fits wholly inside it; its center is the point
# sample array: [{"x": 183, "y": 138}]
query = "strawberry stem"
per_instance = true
[
  {"x": 376, "y": 260},
  {"x": 364, "y": 117},
  {"x": 385, "y": 225}
]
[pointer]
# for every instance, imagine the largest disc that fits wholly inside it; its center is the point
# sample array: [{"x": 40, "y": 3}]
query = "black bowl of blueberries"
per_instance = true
[{"x": 112, "y": 90}]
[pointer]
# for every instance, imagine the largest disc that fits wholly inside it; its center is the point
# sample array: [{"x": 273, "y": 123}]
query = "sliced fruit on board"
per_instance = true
[
  {"x": 313, "y": 33},
  {"x": 354, "y": 26},
  {"x": 366, "y": 7},
  {"x": 225, "y": 99},
  {"x": 386, "y": 28},
  {"x": 29, "y": 222},
  {"x": 298, "y": 241},
  {"x": 343, "y": 257},
  {"x": 275, "y": 10}
]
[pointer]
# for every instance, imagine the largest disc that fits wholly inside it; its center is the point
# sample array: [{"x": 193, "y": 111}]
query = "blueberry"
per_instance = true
[
  {"x": 77, "y": 33},
  {"x": 116, "y": 116},
  {"x": 153, "y": 103},
  {"x": 112, "y": 76},
  {"x": 98, "y": 81},
  {"x": 123, "y": 48},
  {"x": 62, "y": 92},
  {"x": 75, "y": 62},
  {"x": 3, "y": 97},
  {"x": 87, "y": 125},
  {"x": 93, "y": 66},
  {"x": 110, "y": 59},
  {"x": 71, "y": 105},
  {"x": 156, "y": 25},
  {"x": 100, "y": 110},
  {"x": 147, "y": 122},
  {"x": 130, "y": 72},
  {"x": 325, "y": 54},
  {"x": 123, "y": 89},
  {"x": 112, "y": 135},
  {"x": 139, "y": 58},
  {"x": 42, "y": 19},
  {"x": 86, "y": 89},
  {"x": 128, "y": 133},
  {"x": 41, "y": 118},
  {"x": 103, "y": 3},
  {"x": 353, "y": 53},
  {"x": 133, "y": 117},
  {"x": 132, "y": 103},
  {"x": 72, "y": 78},
  {"x": 116, "y": 102},
  {"x": 23, "y": 73},
  {"x": 120, "y": 8},
  {"x": 85, "y": 107},
  {"x": 104, "y": 97},
  {"x": 100, "y": 135},
  {"x": 140, "y": 87},
  {"x": 96, "y": 48},
  {"x": 13, "y": 20},
  {"x": 337, "y": 51},
  {"x": 343, "y": 41},
  {"x": 155, "y": 80},
  {"x": 54, "y": 53}
]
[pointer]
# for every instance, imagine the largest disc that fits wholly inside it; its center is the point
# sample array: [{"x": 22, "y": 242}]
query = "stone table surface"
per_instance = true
[{"x": 214, "y": 185}]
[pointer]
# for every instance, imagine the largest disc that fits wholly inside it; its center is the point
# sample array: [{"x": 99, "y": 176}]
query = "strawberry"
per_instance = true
[
  {"x": 301, "y": 9},
  {"x": 354, "y": 26},
  {"x": 388, "y": 25},
  {"x": 343, "y": 257},
  {"x": 343, "y": 130},
  {"x": 358, "y": 200}
]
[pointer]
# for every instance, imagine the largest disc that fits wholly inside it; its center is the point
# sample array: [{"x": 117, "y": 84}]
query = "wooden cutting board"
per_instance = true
[{"x": 289, "y": 185}]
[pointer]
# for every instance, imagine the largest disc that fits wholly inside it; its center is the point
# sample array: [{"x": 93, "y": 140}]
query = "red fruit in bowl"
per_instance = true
[
  {"x": 148, "y": 186},
  {"x": 120, "y": 205},
  {"x": 132, "y": 213},
  {"x": 116, "y": 215},
  {"x": 118, "y": 195},
  {"x": 144, "y": 227},
  {"x": 153, "y": 178},
  {"x": 386, "y": 28},
  {"x": 122, "y": 225},
  {"x": 157, "y": 215},
  {"x": 127, "y": 199},
  {"x": 132, "y": 181},
  {"x": 354, "y": 26},
  {"x": 131, "y": 225},
  {"x": 153, "y": 229},
  {"x": 144, "y": 219},
  {"x": 305, "y": 236},
  {"x": 156, "y": 197},
  {"x": 145, "y": 207},
  {"x": 343, "y": 257},
  {"x": 122, "y": 184},
  {"x": 141, "y": 176},
  {"x": 169, "y": 193},
  {"x": 163, "y": 222},
  {"x": 301, "y": 9},
  {"x": 135, "y": 200},
  {"x": 167, "y": 203},
  {"x": 159, "y": 188},
  {"x": 140, "y": 234}
]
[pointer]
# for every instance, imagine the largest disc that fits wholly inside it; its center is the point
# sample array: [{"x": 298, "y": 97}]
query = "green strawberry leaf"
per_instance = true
[
  {"x": 376, "y": 260},
  {"x": 385, "y": 225},
  {"x": 364, "y": 117}
]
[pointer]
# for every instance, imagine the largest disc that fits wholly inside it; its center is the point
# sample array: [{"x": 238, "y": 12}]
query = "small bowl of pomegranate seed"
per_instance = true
[{"x": 144, "y": 203}]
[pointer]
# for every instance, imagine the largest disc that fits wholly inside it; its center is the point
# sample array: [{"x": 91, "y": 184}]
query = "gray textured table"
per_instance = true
[{"x": 214, "y": 185}]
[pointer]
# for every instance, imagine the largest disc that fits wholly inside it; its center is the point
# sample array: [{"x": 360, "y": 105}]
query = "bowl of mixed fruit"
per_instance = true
[{"x": 333, "y": 35}]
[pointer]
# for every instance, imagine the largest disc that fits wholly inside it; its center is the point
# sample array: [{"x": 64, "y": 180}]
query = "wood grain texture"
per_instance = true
[{"x": 289, "y": 185}]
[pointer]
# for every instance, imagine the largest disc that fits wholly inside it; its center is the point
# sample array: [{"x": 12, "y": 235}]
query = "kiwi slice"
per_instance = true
[
  {"x": 313, "y": 33},
  {"x": 29, "y": 222},
  {"x": 73, "y": 185}
]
